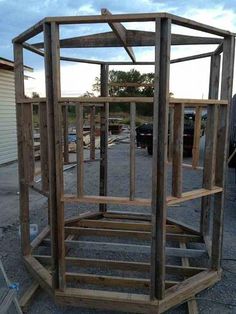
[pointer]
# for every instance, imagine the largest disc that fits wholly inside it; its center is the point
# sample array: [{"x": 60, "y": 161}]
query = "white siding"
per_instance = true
[{"x": 8, "y": 138}]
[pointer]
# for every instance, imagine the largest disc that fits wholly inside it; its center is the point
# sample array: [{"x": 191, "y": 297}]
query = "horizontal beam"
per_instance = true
[
  {"x": 134, "y": 38},
  {"x": 30, "y": 32},
  {"x": 122, "y": 265},
  {"x": 112, "y": 281},
  {"x": 143, "y": 235},
  {"x": 128, "y": 248},
  {"x": 186, "y": 196}
]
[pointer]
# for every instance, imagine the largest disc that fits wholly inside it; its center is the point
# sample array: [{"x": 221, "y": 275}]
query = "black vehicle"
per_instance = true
[{"x": 145, "y": 131}]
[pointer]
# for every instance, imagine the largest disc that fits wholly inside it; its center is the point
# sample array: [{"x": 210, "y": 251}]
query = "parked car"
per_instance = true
[{"x": 144, "y": 134}]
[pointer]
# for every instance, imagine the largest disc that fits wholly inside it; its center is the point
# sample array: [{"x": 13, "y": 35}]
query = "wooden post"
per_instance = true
[
  {"x": 65, "y": 133},
  {"x": 52, "y": 73},
  {"x": 44, "y": 145},
  {"x": 171, "y": 134},
  {"x": 222, "y": 148},
  {"x": 22, "y": 150},
  {"x": 92, "y": 132},
  {"x": 80, "y": 150},
  {"x": 104, "y": 136},
  {"x": 132, "y": 150},
  {"x": 160, "y": 138},
  {"x": 178, "y": 150},
  {"x": 196, "y": 137},
  {"x": 210, "y": 144}
]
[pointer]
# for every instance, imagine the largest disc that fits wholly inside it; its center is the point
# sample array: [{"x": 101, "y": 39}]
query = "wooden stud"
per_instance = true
[
  {"x": 104, "y": 115},
  {"x": 22, "y": 158},
  {"x": 92, "y": 132},
  {"x": 196, "y": 137},
  {"x": 222, "y": 148},
  {"x": 65, "y": 133},
  {"x": 52, "y": 72},
  {"x": 44, "y": 146},
  {"x": 160, "y": 138},
  {"x": 80, "y": 150},
  {"x": 171, "y": 134},
  {"x": 178, "y": 151},
  {"x": 132, "y": 150}
]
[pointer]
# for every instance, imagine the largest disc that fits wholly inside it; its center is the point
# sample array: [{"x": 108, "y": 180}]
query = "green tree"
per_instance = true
[{"x": 132, "y": 76}]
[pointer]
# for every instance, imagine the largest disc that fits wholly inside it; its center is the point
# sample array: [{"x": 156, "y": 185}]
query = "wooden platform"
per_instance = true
[{"x": 108, "y": 263}]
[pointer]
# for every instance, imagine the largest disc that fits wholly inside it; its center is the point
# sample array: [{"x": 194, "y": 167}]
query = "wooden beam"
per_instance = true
[
  {"x": 104, "y": 125},
  {"x": 120, "y": 32},
  {"x": 210, "y": 144},
  {"x": 65, "y": 133},
  {"x": 222, "y": 148},
  {"x": 132, "y": 38},
  {"x": 159, "y": 168},
  {"x": 92, "y": 132},
  {"x": 171, "y": 200},
  {"x": 132, "y": 150},
  {"x": 28, "y": 296},
  {"x": 80, "y": 150},
  {"x": 22, "y": 158},
  {"x": 177, "y": 150},
  {"x": 44, "y": 146},
  {"x": 197, "y": 137},
  {"x": 52, "y": 73}
]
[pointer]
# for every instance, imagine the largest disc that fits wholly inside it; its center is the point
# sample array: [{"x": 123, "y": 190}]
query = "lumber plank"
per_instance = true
[
  {"x": 177, "y": 176},
  {"x": 92, "y": 132},
  {"x": 80, "y": 150},
  {"x": 27, "y": 297},
  {"x": 104, "y": 116},
  {"x": 65, "y": 133},
  {"x": 44, "y": 146},
  {"x": 196, "y": 137},
  {"x": 132, "y": 151}
]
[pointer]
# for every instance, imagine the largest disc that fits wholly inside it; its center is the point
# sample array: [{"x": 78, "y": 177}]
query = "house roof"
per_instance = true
[{"x": 6, "y": 64}]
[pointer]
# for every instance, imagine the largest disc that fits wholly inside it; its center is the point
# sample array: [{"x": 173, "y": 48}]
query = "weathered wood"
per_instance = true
[
  {"x": 160, "y": 138},
  {"x": 120, "y": 31},
  {"x": 132, "y": 150},
  {"x": 192, "y": 304},
  {"x": 92, "y": 132},
  {"x": 43, "y": 234},
  {"x": 132, "y": 38},
  {"x": 28, "y": 296},
  {"x": 65, "y": 133},
  {"x": 210, "y": 143},
  {"x": 196, "y": 137},
  {"x": 44, "y": 146},
  {"x": 171, "y": 200},
  {"x": 113, "y": 281},
  {"x": 104, "y": 115},
  {"x": 171, "y": 134},
  {"x": 80, "y": 150},
  {"x": 177, "y": 176},
  {"x": 52, "y": 73},
  {"x": 22, "y": 158},
  {"x": 222, "y": 148}
]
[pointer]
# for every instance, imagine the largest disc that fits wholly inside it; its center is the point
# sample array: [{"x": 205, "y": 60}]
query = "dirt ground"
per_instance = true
[{"x": 224, "y": 291}]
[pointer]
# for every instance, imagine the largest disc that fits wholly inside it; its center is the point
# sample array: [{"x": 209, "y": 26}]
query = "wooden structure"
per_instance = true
[{"x": 168, "y": 276}]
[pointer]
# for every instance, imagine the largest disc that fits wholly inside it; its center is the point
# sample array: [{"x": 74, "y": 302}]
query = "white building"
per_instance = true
[{"x": 8, "y": 135}]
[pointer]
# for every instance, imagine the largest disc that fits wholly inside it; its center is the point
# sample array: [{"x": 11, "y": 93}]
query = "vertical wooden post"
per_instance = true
[
  {"x": 52, "y": 73},
  {"x": 92, "y": 132},
  {"x": 44, "y": 145},
  {"x": 104, "y": 135},
  {"x": 171, "y": 134},
  {"x": 178, "y": 150},
  {"x": 222, "y": 148},
  {"x": 196, "y": 137},
  {"x": 159, "y": 168},
  {"x": 22, "y": 150},
  {"x": 65, "y": 133},
  {"x": 80, "y": 150},
  {"x": 210, "y": 144},
  {"x": 132, "y": 150}
]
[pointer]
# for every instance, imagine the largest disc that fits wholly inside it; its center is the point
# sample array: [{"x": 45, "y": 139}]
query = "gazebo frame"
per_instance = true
[{"x": 50, "y": 271}]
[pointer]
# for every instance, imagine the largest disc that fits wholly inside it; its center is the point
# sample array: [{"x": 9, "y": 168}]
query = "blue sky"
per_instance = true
[{"x": 16, "y": 16}]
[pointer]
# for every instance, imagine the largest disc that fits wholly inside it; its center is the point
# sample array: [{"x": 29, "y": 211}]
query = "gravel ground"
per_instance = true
[{"x": 224, "y": 291}]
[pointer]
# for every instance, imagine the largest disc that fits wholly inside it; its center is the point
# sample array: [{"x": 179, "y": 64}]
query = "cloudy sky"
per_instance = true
[{"x": 188, "y": 79}]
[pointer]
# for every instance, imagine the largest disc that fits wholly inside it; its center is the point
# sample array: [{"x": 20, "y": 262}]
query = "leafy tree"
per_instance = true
[{"x": 132, "y": 76}]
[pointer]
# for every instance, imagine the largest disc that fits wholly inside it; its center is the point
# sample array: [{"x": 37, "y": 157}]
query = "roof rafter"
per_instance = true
[{"x": 120, "y": 31}]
